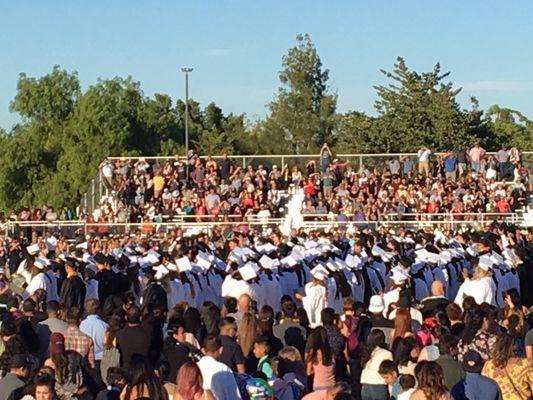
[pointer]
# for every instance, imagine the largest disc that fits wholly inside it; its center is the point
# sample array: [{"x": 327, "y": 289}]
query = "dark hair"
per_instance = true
[
  {"x": 318, "y": 341},
  {"x": 473, "y": 324},
  {"x": 192, "y": 320},
  {"x": 53, "y": 306},
  {"x": 453, "y": 312},
  {"x": 29, "y": 305},
  {"x": 387, "y": 367},
  {"x": 265, "y": 320},
  {"x": 402, "y": 348},
  {"x": 44, "y": 380},
  {"x": 231, "y": 305},
  {"x": 116, "y": 323},
  {"x": 114, "y": 375},
  {"x": 503, "y": 350},
  {"x": 133, "y": 315},
  {"x": 431, "y": 380},
  {"x": 262, "y": 341},
  {"x": 328, "y": 316},
  {"x": 212, "y": 344},
  {"x": 303, "y": 318},
  {"x": 376, "y": 338},
  {"x": 288, "y": 307},
  {"x": 446, "y": 343},
  {"x": 407, "y": 382},
  {"x": 141, "y": 374},
  {"x": 210, "y": 314},
  {"x": 226, "y": 322}
]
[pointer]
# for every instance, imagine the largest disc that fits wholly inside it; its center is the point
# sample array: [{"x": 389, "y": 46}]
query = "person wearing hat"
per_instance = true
[
  {"x": 73, "y": 289},
  {"x": 15, "y": 378},
  {"x": 377, "y": 320},
  {"x": 475, "y": 386}
]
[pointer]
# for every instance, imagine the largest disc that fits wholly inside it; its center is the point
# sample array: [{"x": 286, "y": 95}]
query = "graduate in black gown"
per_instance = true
[{"x": 73, "y": 289}]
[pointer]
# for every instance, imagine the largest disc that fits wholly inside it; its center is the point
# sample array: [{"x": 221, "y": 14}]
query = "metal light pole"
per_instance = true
[{"x": 186, "y": 71}]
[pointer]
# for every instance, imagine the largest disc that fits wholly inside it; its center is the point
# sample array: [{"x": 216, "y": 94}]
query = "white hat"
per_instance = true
[
  {"x": 160, "y": 271},
  {"x": 398, "y": 277},
  {"x": 377, "y": 305},
  {"x": 249, "y": 271},
  {"x": 485, "y": 262},
  {"x": 33, "y": 249},
  {"x": 319, "y": 272}
]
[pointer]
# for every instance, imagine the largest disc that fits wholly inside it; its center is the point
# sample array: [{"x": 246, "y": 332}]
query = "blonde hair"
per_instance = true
[
  {"x": 246, "y": 333},
  {"x": 480, "y": 273}
]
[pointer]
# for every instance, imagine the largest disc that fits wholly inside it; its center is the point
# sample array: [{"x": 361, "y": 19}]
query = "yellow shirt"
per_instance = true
[
  {"x": 514, "y": 381},
  {"x": 159, "y": 183}
]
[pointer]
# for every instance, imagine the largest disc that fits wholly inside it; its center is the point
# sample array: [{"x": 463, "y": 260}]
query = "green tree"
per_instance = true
[
  {"x": 420, "y": 108},
  {"x": 302, "y": 116}
]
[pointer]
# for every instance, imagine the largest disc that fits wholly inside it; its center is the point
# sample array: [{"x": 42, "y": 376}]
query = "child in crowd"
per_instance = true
[
  {"x": 407, "y": 383},
  {"x": 389, "y": 372},
  {"x": 261, "y": 349},
  {"x": 117, "y": 381}
]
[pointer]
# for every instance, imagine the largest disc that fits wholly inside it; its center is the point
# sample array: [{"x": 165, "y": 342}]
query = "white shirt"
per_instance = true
[
  {"x": 482, "y": 290},
  {"x": 39, "y": 281},
  {"x": 218, "y": 378},
  {"x": 314, "y": 301},
  {"x": 423, "y": 155}
]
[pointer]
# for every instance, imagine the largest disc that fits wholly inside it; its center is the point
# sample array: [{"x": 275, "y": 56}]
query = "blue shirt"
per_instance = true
[
  {"x": 476, "y": 387},
  {"x": 449, "y": 164},
  {"x": 94, "y": 327}
]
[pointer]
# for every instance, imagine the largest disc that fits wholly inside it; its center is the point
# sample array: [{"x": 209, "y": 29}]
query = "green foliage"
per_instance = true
[
  {"x": 302, "y": 116},
  {"x": 64, "y": 134}
]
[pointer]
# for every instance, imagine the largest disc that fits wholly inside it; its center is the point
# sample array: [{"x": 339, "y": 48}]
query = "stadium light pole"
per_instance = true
[{"x": 186, "y": 71}]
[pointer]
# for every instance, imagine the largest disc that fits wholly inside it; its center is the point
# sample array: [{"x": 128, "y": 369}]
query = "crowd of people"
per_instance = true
[
  {"x": 384, "y": 314},
  {"x": 467, "y": 181}
]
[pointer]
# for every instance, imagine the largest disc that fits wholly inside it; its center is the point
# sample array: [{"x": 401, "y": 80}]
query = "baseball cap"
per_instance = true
[
  {"x": 57, "y": 343},
  {"x": 472, "y": 361}
]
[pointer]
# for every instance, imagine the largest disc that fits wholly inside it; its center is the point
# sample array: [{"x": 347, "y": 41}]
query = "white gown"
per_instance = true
[
  {"x": 314, "y": 301},
  {"x": 482, "y": 290}
]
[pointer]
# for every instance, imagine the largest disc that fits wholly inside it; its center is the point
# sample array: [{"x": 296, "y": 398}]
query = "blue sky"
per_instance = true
[{"x": 236, "y": 47}]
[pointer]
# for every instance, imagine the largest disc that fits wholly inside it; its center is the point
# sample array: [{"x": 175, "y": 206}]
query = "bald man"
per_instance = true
[
  {"x": 244, "y": 305},
  {"x": 437, "y": 301}
]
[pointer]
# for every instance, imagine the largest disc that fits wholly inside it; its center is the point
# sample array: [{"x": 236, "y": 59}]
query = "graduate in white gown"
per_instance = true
[
  {"x": 481, "y": 286},
  {"x": 315, "y": 298}
]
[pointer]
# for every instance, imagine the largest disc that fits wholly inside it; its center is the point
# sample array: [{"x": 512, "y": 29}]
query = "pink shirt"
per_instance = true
[{"x": 476, "y": 154}]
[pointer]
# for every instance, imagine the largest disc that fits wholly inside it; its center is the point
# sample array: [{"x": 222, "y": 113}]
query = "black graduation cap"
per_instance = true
[{"x": 99, "y": 258}]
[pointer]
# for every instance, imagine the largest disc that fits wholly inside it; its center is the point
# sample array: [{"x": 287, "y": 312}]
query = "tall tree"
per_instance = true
[
  {"x": 302, "y": 116},
  {"x": 420, "y": 108}
]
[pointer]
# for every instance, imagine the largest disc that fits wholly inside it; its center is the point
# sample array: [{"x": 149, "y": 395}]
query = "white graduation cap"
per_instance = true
[
  {"x": 377, "y": 251},
  {"x": 266, "y": 248},
  {"x": 33, "y": 249},
  {"x": 353, "y": 261},
  {"x": 444, "y": 257},
  {"x": 160, "y": 271},
  {"x": 472, "y": 251},
  {"x": 86, "y": 257},
  {"x": 91, "y": 267},
  {"x": 266, "y": 262},
  {"x": 38, "y": 263},
  {"x": 203, "y": 263},
  {"x": 51, "y": 243},
  {"x": 172, "y": 267},
  {"x": 505, "y": 241},
  {"x": 320, "y": 273},
  {"x": 332, "y": 265},
  {"x": 341, "y": 263},
  {"x": 154, "y": 253},
  {"x": 310, "y": 244},
  {"x": 485, "y": 262},
  {"x": 133, "y": 259},
  {"x": 45, "y": 261},
  {"x": 289, "y": 260},
  {"x": 298, "y": 252},
  {"x": 498, "y": 259},
  {"x": 249, "y": 271},
  {"x": 150, "y": 258},
  {"x": 398, "y": 277},
  {"x": 183, "y": 264},
  {"x": 312, "y": 253},
  {"x": 82, "y": 246}
]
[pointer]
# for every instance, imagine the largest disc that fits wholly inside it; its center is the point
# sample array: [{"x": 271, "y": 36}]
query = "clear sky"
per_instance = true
[{"x": 236, "y": 47}]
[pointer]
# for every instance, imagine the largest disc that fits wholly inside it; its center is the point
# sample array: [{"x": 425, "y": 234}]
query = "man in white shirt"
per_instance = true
[
  {"x": 423, "y": 160},
  {"x": 218, "y": 377}
]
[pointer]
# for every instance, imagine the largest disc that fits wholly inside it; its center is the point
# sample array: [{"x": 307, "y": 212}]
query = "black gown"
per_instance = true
[{"x": 73, "y": 293}]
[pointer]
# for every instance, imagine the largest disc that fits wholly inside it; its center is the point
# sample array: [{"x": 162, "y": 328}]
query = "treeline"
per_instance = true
[{"x": 50, "y": 157}]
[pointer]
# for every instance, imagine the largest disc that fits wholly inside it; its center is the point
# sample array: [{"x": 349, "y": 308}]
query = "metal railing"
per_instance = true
[
  {"x": 96, "y": 188},
  {"x": 71, "y": 229}
]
